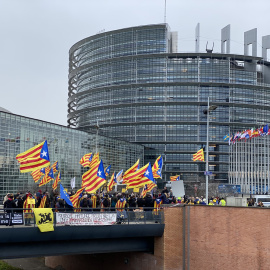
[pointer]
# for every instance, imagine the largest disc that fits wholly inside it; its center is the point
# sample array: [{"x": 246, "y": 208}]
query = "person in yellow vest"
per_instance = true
[
  {"x": 211, "y": 202},
  {"x": 28, "y": 204},
  {"x": 222, "y": 202}
]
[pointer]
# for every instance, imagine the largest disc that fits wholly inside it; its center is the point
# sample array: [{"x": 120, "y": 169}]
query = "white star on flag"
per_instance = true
[
  {"x": 44, "y": 153},
  {"x": 147, "y": 172},
  {"x": 99, "y": 173}
]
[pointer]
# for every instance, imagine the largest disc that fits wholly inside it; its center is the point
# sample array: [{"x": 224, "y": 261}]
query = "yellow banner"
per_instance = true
[
  {"x": 123, "y": 190},
  {"x": 136, "y": 189},
  {"x": 44, "y": 219}
]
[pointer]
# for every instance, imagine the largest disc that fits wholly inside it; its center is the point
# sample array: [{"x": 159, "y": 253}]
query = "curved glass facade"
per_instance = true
[
  {"x": 66, "y": 145},
  {"x": 143, "y": 92}
]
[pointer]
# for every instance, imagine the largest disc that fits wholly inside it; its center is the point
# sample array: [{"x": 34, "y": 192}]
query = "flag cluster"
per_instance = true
[{"x": 247, "y": 134}]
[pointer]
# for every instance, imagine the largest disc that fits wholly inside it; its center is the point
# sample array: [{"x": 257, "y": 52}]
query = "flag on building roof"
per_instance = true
[
  {"x": 56, "y": 181},
  {"x": 36, "y": 175},
  {"x": 157, "y": 167},
  {"x": 95, "y": 179},
  {"x": 55, "y": 166},
  {"x": 112, "y": 182},
  {"x": 175, "y": 178},
  {"x": 199, "y": 155},
  {"x": 131, "y": 170},
  {"x": 86, "y": 160},
  {"x": 142, "y": 177},
  {"x": 47, "y": 178},
  {"x": 35, "y": 158},
  {"x": 65, "y": 196},
  {"x": 107, "y": 170}
]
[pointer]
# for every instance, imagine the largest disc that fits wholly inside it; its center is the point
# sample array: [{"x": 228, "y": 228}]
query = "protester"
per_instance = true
[{"x": 9, "y": 203}]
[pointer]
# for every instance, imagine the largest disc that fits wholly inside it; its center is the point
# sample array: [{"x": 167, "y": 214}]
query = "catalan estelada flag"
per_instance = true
[
  {"x": 130, "y": 171},
  {"x": 107, "y": 170},
  {"x": 120, "y": 205},
  {"x": 175, "y": 178},
  {"x": 86, "y": 160},
  {"x": 141, "y": 177},
  {"x": 55, "y": 166},
  {"x": 148, "y": 188},
  {"x": 36, "y": 175},
  {"x": 95, "y": 178},
  {"x": 75, "y": 199},
  {"x": 157, "y": 167},
  {"x": 112, "y": 182},
  {"x": 43, "y": 201},
  {"x": 47, "y": 178},
  {"x": 56, "y": 181},
  {"x": 157, "y": 204},
  {"x": 44, "y": 219},
  {"x": 35, "y": 158},
  {"x": 199, "y": 155}
]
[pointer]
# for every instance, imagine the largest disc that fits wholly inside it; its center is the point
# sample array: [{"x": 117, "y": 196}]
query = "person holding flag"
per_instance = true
[{"x": 65, "y": 196}]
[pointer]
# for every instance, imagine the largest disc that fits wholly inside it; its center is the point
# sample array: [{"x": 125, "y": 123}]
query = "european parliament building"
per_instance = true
[
  {"x": 66, "y": 145},
  {"x": 140, "y": 89}
]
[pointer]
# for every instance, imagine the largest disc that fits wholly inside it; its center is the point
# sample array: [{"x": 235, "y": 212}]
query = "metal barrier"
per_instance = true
[{"x": 124, "y": 216}]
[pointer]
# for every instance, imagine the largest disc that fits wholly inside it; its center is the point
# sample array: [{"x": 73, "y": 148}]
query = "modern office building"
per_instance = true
[
  {"x": 66, "y": 145},
  {"x": 140, "y": 89}
]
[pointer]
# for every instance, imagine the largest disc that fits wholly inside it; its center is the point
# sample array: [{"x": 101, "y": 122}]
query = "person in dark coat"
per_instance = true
[{"x": 9, "y": 203}]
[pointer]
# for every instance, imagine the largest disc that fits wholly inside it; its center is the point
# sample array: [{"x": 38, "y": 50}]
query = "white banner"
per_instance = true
[{"x": 80, "y": 219}]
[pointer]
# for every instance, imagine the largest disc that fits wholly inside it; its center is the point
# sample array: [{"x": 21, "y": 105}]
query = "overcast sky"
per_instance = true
[{"x": 36, "y": 36}]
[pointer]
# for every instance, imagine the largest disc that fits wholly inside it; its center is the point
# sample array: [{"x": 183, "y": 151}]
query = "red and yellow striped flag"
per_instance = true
[
  {"x": 86, "y": 160},
  {"x": 199, "y": 155},
  {"x": 112, "y": 182},
  {"x": 94, "y": 178},
  {"x": 34, "y": 158},
  {"x": 56, "y": 181},
  {"x": 43, "y": 201},
  {"x": 36, "y": 175},
  {"x": 130, "y": 171}
]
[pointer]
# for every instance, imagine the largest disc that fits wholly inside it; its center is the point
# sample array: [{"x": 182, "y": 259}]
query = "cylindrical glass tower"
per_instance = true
[{"x": 141, "y": 90}]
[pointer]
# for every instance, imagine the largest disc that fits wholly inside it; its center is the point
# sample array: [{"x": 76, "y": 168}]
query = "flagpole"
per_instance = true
[
  {"x": 97, "y": 126},
  {"x": 207, "y": 154}
]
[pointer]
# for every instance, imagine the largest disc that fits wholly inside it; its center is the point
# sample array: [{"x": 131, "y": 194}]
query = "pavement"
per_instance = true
[{"x": 28, "y": 263}]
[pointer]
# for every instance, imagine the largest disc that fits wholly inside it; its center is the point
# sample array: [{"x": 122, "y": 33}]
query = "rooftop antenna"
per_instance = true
[
  {"x": 208, "y": 50},
  {"x": 165, "y": 12}
]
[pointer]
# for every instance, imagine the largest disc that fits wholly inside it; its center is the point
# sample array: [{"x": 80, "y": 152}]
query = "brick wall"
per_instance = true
[
  {"x": 229, "y": 238},
  {"x": 219, "y": 238}
]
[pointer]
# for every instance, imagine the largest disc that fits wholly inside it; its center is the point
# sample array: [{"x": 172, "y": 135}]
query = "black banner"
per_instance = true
[{"x": 16, "y": 218}]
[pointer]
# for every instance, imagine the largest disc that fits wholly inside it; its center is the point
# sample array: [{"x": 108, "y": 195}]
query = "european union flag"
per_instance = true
[{"x": 65, "y": 196}]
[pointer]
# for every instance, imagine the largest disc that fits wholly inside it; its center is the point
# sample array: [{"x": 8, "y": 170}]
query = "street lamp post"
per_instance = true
[{"x": 207, "y": 112}]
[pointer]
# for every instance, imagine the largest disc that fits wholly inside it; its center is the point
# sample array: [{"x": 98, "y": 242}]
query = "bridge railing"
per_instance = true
[{"x": 122, "y": 216}]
